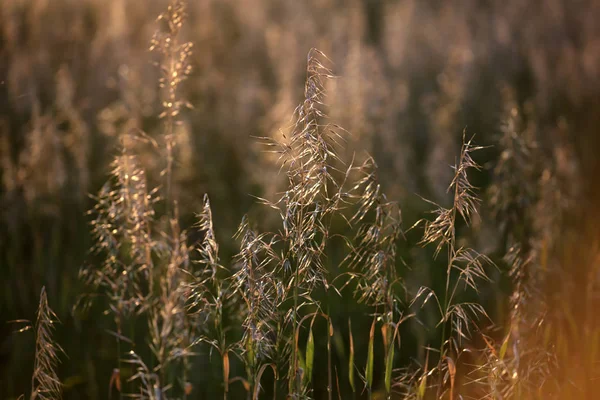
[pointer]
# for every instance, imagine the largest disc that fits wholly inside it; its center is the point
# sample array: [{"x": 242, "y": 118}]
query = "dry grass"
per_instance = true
[
  {"x": 45, "y": 383},
  {"x": 325, "y": 288}
]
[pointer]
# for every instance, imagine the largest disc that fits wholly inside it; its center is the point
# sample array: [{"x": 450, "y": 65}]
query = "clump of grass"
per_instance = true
[
  {"x": 314, "y": 194},
  {"x": 519, "y": 364},
  {"x": 456, "y": 316},
  {"x": 170, "y": 329},
  {"x": 257, "y": 287},
  {"x": 124, "y": 216},
  {"x": 123, "y": 230},
  {"x": 148, "y": 270},
  {"x": 209, "y": 295},
  {"x": 145, "y": 264},
  {"x": 45, "y": 384},
  {"x": 146, "y": 267},
  {"x": 376, "y": 239},
  {"x": 373, "y": 257}
]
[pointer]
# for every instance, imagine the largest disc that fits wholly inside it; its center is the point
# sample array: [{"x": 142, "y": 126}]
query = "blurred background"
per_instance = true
[{"x": 76, "y": 75}]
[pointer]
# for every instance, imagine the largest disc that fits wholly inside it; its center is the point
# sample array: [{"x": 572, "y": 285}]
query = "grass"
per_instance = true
[
  {"x": 328, "y": 292},
  {"x": 45, "y": 383}
]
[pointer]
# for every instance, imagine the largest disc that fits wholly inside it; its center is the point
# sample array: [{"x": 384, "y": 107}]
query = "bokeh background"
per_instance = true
[{"x": 76, "y": 75}]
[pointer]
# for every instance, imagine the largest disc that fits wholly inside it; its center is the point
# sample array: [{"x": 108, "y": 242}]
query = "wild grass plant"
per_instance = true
[
  {"x": 45, "y": 383},
  {"x": 322, "y": 292}
]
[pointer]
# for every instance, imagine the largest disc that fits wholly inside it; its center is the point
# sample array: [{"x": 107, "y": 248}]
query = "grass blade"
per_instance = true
[
  {"x": 351, "y": 359},
  {"x": 310, "y": 356},
  {"x": 504, "y": 346},
  {"x": 226, "y": 371},
  {"x": 389, "y": 363},
  {"x": 259, "y": 376},
  {"x": 370, "y": 358},
  {"x": 452, "y": 372}
]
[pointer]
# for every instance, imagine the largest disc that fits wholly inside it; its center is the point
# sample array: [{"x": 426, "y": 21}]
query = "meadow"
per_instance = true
[{"x": 315, "y": 199}]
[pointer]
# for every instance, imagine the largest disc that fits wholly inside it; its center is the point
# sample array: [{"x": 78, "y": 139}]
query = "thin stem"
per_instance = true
[
  {"x": 293, "y": 367},
  {"x": 329, "y": 379},
  {"x": 185, "y": 362},
  {"x": 119, "y": 355},
  {"x": 451, "y": 256}
]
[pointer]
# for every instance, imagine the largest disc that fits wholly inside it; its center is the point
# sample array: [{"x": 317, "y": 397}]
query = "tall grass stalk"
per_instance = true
[
  {"x": 466, "y": 262},
  {"x": 373, "y": 258},
  {"x": 312, "y": 197},
  {"x": 257, "y": 288},
  {"x": 209, "y": 294},
  {"x": 45, "y": 384},
  {"x": 174, "y": 67},
  {"x": 122, "y": 229}
]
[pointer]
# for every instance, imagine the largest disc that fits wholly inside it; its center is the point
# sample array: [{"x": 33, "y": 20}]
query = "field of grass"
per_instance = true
[{"x": 314, "y": 199}]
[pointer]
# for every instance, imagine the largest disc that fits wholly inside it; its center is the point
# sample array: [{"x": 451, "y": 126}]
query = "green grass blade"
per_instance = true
[
  {"x": 370, "y": 357},
  {"x": 351, "y": 359},
  {"x": 504, "y": 347},
  {"x": 310, "y": 356},
  {"x": 389, "y": 364},
  {"x": 422, "y": 387}
]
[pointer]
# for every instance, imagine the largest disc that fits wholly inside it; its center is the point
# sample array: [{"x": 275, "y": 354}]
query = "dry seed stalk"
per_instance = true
[
  {"x": 124, "y": 217},
  {"x": 374, "y": 257},
  {"x": 175, "y": 68},
  {"x": 468, "y": 263},
  {"x": 45, "y": 384},
  {"x": 257, "y": 287},
  {"x": 375, "y": 250},
  {"x": 514, "y": 194},
  {"x": 313, "y": 195},
  {"x": 209, "y": 294}
]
